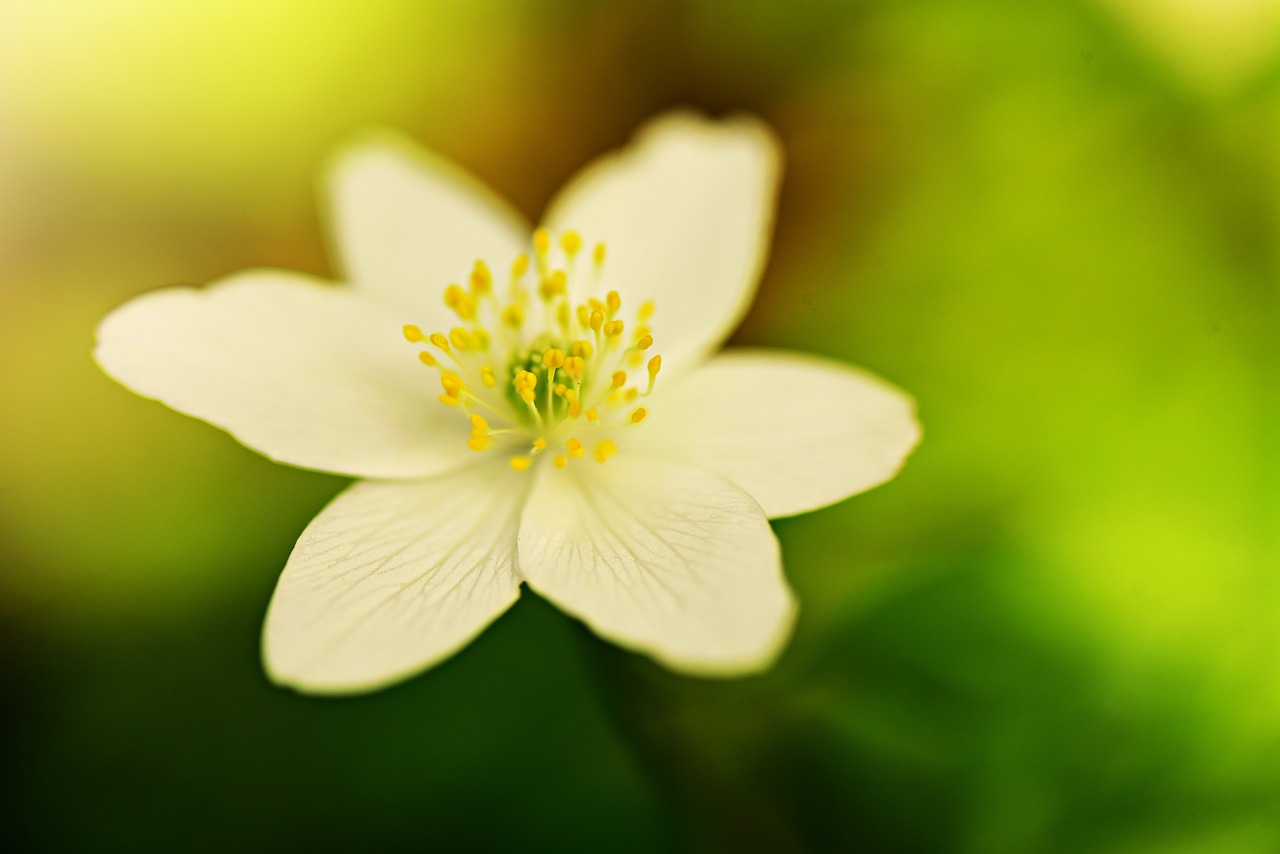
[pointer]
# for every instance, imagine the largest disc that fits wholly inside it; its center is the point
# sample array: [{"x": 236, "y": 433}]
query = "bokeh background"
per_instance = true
[{"x": 1059, "y": 629}]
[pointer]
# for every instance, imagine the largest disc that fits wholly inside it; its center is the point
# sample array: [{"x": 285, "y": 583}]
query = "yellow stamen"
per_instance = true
[
  {"x": 596, "y": 320},
  {"x": 604, "y": 450},
  {"x": 513, "y": 316},
  {"x": 553, "y": 358},
  {"x": 541, "y": 241},
  {"x": 449, "y": 400},
  {"x": 479, "y": 443},
  {"x": 571, "y": 243},
  {"x": 413, "y": 334},
  {"x": 427, "y": 359},
  {"x": 646, "y": 311},
  {"x": 561, "y": 462},
  {"x": 582, "y": 349},
  {"x": 440, "y": 341},
  {"x": 575, "y": 448},
  {"x": 593, "y": 415},
  {"x": 645, "y": 343},
  {"x": 619, "y": 379},
  {"x": 613, "y": 301},
  {"x": 598, "y": 254},
  {"x": 486, "y": 377},
  {"x": 639, "y": 415},
  {"x": 521, "y": 463},
  {"x": 481, "y": 278},
  {"x": 539, "y": 444},
  {"x": 655, "y": 365},
  {"x": 520, "y": 266},
  {"x": 460, "y": 337}
]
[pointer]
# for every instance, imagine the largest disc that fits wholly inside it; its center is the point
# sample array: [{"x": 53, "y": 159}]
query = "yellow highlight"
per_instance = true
[
  {"x": 521, "y": 463},
  {"x": 427, "y": 359},
  {"x": 639, "y": 415},
  {"x": 604, "y": 450},
  {"x": 413, "y": 334},
  {"x": 571, "y": 243}
]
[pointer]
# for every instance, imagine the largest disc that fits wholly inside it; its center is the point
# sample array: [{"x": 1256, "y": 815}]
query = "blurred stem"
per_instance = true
[{"x": 656, "y": 713}]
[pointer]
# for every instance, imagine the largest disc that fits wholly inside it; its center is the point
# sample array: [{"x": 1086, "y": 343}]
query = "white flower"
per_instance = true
[{"x": 530, "y": 434}]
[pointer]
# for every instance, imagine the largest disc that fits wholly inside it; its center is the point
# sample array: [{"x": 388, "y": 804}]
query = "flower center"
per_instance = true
[{"x": 543, "y": 369}]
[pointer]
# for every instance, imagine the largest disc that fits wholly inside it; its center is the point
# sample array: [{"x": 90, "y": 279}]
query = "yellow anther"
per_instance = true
[
  {"x": 631, "y": 394},
  {"x": 619, "y": 379},
  {"x": 427, "y": 359},
  {"x": 449, "y": 400},
  {"x": 413, "y": 334},
  {"x": 479, "y": 443},
  {"x": 655, "y": 365},
  {"x": 574, "y": 409},
  {"x": 582, "y": 349},
  {"x": 598, "y": 254},
  {"x": 593, "y": 415},
  {"x": 513, "y": 316},
  {"x": 481, "y": 278},
  {"x": 639, "y": 415},
  {"x": 584, "y": 316},
  {"x": 480, "y": 338},
  {"x": 521, "y": 463},
  {"x": 541, "y": 241},
  {"x": 614, "y": 301},
  {"x": 440, "y": 341},
  {"x": 560, "y": 389},
  {"x": 613, "y": 327},
  {"x": 539, "y": 444},
  {"x": 486, "y": 377},
  {"x": 604, "y": 450},
  {"x": 596, "y": 305},
  {"x": 561, "y": 462},
  {"x": 478, "y": 422},
  {"x": 460, "y": 337},
  {"x": 562, "y": 316},
  {"x": 635, "y": 359},
  {"x": 645, "y": 343},
  {"x": 571, "y": 243},
  {"x": 575, "y": 448},
  {"x": 553, "y": 358},
  {"x": 646, "y": 311},
  {"x": 460, "y": 301},
  {"x": 520, "y": 266},
  {"x": 596, "y": 320},
  {"x": 554, "y": 284},
  {"x": 575, "y": 366},
  {"x": 453, "y": 384}
]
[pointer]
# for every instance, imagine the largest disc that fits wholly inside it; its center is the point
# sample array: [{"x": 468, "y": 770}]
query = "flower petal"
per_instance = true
[
  {"x": 686, "y": 213},
  {"x": 408, "y": 222},
  {"x": 662, "y": 558},
  {"x": 392, "y": 578},
  {"x": 306, "y": 373},
  {"x": 796, "y": 432}
]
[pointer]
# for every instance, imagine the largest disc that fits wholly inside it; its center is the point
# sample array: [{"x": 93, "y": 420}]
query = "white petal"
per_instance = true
[
  {"x": 796, "y": 432},
  {"x": 304, "y": 372},
  {"x": 407, "y": 223},
  {"x": 662, "y": 558},
  {"x": 392, "y": 578},
  {"x": 686, "y": 213}
]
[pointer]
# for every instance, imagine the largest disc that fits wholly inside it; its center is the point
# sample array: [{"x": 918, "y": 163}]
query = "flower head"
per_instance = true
[{"x": 526, "y": 406}]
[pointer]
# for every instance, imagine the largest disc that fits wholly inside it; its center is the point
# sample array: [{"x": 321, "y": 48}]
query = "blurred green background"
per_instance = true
[{"x": 1059, "y": 630}]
